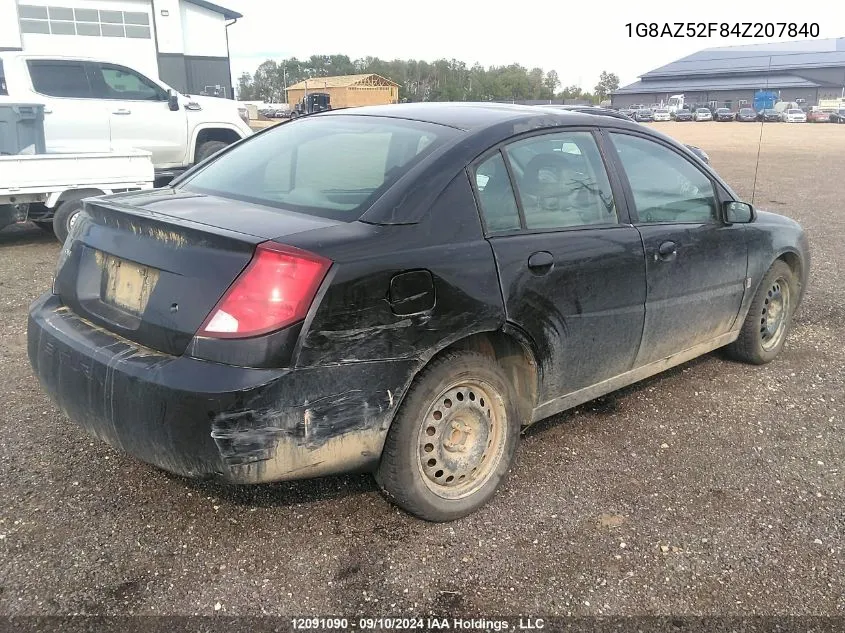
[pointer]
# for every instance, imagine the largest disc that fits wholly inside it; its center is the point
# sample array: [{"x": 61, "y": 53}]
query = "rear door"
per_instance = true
[
  {"x": 74, "y": 121},
  {"x": 139, "y": 114},
  {"x": 571, "y": 268},
  {"x": 696, "y": 265}
]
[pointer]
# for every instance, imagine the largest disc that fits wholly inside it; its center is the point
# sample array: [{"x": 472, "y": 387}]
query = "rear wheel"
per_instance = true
[
  {"x": 769, "y": 317},
  {"x": 66, "y": 215},
  {"x": 452, "y": 442}
]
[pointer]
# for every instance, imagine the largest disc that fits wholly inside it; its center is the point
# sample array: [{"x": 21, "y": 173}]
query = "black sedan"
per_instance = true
[
  {"x": 401, "y": 289},
  {"x": 682, "y": 115},
  {"x": 746, "y": 115},
  {"x": 769, "y": 115},
  {"x": 723, "y": 114},
  {"x": 643, "y": 115}
]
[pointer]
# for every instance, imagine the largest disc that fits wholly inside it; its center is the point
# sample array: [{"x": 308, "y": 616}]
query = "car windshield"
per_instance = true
[
  {"x": 661, "y": 111},
  {"x": 331, "y": 166},
  {"x": 746, "y": 111},
  {"x": 796, "y": 111},
  {"x": 702, "y": 110}
]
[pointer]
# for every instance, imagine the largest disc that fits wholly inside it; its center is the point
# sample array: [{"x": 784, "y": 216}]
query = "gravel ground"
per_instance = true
[{"x": 715, "y": 488}]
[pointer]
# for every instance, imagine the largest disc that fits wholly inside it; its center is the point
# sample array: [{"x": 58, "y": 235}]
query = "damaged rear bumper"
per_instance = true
[{"x": 197, "y": 418}]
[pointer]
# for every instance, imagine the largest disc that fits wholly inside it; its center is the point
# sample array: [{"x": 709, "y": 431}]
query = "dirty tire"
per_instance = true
[
  {"x": 207, "y": 149},
  {"x": 454, "y": 437},
  {"x": 63, "y": 217},
  {"x": 769, "y": 317}
]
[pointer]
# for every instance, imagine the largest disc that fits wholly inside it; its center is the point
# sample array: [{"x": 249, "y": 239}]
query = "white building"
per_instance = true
[{"x": 183, "y": 42}]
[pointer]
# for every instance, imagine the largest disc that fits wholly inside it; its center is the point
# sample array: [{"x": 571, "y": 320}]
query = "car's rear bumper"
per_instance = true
[{"x": 197, "y": 418}]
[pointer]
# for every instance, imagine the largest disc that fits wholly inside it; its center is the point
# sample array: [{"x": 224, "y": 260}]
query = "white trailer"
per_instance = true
[{"x": 48, "y": 189}]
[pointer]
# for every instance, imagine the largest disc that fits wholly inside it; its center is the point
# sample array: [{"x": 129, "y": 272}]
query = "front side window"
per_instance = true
[
  {"x": 115, "y": 82},
  {"x": 561, "y": 181},
  {"x": 60, "y": 78},
  {"x": 333, "y": 166},
  {"x": 666, "y": 186}
]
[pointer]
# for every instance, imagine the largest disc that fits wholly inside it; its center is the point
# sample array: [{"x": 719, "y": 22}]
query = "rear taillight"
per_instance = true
[{"x": 275, "y": 290}]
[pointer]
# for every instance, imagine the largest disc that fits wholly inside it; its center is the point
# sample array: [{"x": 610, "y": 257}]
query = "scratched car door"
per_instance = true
[{"x": 571, "y": 269}]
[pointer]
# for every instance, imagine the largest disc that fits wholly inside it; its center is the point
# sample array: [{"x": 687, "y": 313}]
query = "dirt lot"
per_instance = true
[{"x": 716, "y": 488}]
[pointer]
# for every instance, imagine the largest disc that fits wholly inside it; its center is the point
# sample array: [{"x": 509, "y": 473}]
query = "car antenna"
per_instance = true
[{"x": 760, "y": 140}]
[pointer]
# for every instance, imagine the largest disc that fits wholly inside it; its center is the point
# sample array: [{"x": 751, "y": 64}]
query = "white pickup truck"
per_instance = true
[
  {"x": 48, "y": 189},
  {"x": 97, "y": 106}
]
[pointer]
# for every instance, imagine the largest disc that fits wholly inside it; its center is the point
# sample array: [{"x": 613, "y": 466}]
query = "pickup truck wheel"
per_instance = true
[
  {"x": 207, "y": 149},
  {"x": 453, "y": 440},
  {"x": 64, "y": 218},
  {"x": 769, "y": 317}
]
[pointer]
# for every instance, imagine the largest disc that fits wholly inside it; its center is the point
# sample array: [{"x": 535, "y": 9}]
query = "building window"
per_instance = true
[{"x": 89, "y": 22}]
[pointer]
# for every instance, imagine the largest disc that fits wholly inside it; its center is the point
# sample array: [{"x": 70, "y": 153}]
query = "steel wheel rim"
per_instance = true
[
  {"x": 774, "y": 314},
  {"x": 72, "y": 220},
  {"x": 462, "y": 439}
]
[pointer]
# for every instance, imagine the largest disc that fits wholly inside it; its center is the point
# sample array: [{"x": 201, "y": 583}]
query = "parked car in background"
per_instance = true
[
  {"x": 661, "y": 114},
  {"x": 723, "y": 114},
  {"x": 769, "y": 115},
  {"x": 746, "y": 115},
  {"x": 93, "y": 105},
  {"x": 643, "y": 115},
  {"x": 837, "y": 116},
  {"x": 818, "y": 116},
  {"x": 794, "y": 115},
  {"x": 314, "y": 320},
  {"x": 682, "y": 115},
  {"x": 702, "y": 114}
]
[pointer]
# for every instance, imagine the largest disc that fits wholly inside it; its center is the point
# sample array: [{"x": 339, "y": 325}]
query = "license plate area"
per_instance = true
[{"x": 126, "y": 285}]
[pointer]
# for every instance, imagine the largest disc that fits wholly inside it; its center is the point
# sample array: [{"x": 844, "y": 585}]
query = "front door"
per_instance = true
[
  {"x": 139, "y": 114},
  {"x": 696, "y": 265},
  {"x": 572, "y": 273}
]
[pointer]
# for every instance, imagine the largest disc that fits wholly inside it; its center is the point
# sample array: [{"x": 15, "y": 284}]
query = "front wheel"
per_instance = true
[
  {"x": 209, "y": 148},
  {"x": 451, "y": 445},
  {"x": 769, "y": 317}
]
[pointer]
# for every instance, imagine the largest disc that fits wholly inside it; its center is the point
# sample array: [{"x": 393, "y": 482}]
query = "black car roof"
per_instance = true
[{"x": 470, "y": 116}]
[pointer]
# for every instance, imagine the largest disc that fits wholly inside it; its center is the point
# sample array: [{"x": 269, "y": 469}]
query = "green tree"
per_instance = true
[
  {"x": 608, "y": 82},
  {"x": 245, "y": 87}
]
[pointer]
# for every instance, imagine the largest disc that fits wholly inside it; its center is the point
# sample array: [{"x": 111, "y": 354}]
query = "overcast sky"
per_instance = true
[{"x": 577, "y": 39}]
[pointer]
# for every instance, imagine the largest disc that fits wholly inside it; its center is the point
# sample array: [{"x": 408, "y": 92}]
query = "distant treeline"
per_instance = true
[{"x": 442, "y": 80}]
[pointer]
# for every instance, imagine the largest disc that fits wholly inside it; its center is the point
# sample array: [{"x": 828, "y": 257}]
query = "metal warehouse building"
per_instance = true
[
  {"x": 803, "y": 72},
  {"x": 183, "y": 42}
]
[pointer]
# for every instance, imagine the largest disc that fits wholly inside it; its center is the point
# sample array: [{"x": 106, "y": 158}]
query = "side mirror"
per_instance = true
[
  {"x": 738, "y": 212},
  {"x": 173, "y": 101}
]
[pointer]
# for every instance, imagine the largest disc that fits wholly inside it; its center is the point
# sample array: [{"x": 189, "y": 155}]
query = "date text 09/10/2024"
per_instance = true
[
  {"x": 723, "y": 29},
  {"x": 417, "y": 624}
]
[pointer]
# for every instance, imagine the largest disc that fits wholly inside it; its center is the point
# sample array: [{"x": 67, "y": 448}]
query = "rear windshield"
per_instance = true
[{"x": 331, "y": 166}]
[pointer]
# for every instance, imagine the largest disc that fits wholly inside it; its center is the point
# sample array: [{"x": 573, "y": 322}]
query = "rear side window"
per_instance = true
[
  {"x": 495, "y": 195},
  {"x": 3, "y": 89},
  {"x": 332, "y": 166},
  {"x": 561, "y": 181},
  {"x": 60, "y": 78}
]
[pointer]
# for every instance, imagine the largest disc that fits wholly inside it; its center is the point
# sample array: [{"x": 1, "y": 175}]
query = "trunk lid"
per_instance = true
[{"x": 151, "y": 266}]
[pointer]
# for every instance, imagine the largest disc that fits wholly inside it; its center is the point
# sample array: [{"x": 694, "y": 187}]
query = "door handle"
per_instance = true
[
  {"x": 123, "y": 111},
  {"x": 666, "y": 251},
  {"x": 541, "y": 262},
  {"x": 48, "y": 111}
]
